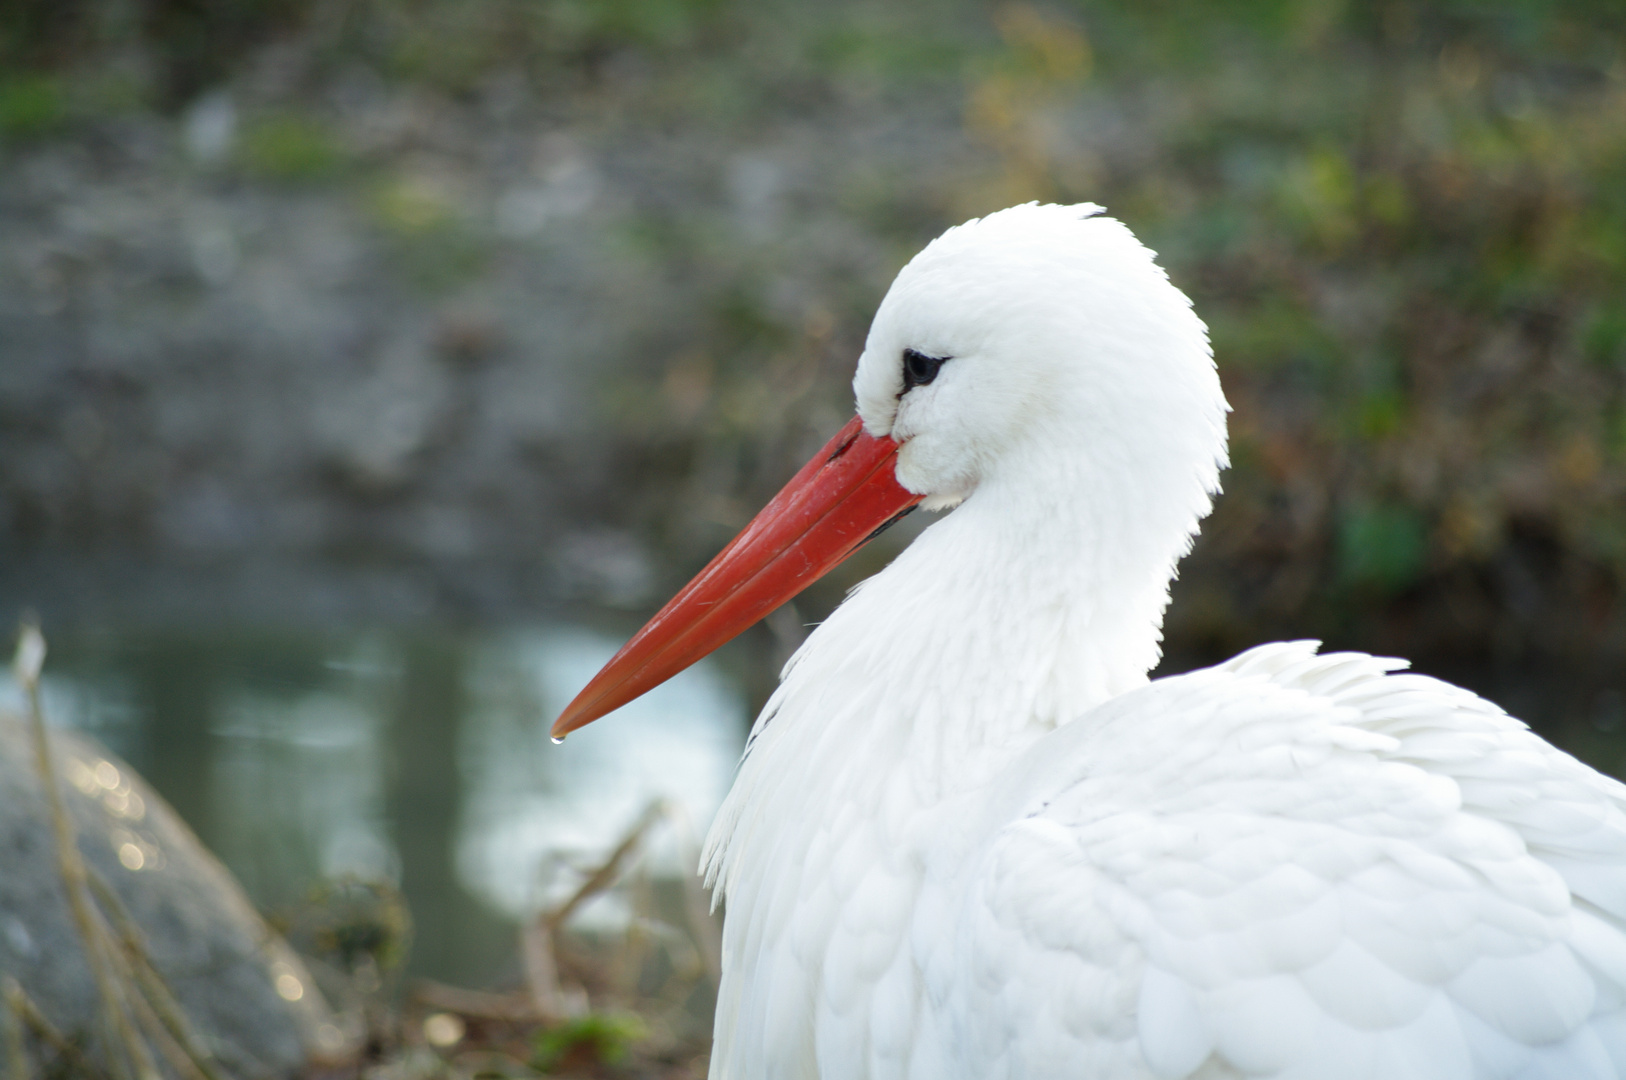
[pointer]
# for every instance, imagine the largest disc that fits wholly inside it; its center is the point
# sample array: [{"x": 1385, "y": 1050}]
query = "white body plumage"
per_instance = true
[{"x": 970, "y": 840}]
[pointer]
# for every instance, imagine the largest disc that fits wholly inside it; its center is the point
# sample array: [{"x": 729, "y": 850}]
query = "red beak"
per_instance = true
[{"x": 840, "y": 499}]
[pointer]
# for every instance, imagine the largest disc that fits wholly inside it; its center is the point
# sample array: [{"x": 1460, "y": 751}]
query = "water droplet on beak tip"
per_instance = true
[{"x": 558, "y": 740}]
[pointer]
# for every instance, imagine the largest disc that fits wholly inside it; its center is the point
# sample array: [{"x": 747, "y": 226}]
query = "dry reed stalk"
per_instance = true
[
  {"x": 513, "y": 1008},
  {"x": 167, "y": 1018},
  {"x": 29, "y": 660},
  {"x": 537, "y": 939},
  {"x": 16, "y": 1053},
  {"x": 605, "y": 875},
  {"x": 35, "y": 1021},
  {"x": 172, "y": 1051},
  {"x": 547, "y": 1001}
]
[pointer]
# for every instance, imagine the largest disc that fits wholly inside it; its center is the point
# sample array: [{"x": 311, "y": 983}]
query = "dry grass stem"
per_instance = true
[
  {"x": 93, "y": 933},
  {"x": 482, "y": 1004},
  {"x": 547, "y": 1000},
  {"x": 537, "y": 939},
  {"x": 609, "y": 870},
  {"x": 173, "y": 1053},
  {"x": 16, "y": 1054},
  {"x": 23, "y": 1006},
  {"x": 168, "y": 1017}
]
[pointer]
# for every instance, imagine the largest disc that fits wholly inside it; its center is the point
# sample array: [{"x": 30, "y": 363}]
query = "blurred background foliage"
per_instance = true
[{"x": 1404, "y": 221}]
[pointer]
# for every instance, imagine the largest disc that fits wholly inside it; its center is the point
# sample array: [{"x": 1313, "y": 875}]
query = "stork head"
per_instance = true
[
  {"x": 1040, "y": 339},
  {"x": 1047, "y": 329}
]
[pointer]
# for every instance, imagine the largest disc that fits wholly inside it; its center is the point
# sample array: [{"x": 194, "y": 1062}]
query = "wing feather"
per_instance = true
[{"x": 1292, "y": 865}]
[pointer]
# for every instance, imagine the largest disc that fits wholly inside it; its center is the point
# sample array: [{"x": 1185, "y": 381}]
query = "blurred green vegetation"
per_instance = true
[
  {"x": 30, "y": 105},
  {"x": 1404, "y": 221},
  {"x": 290, "y": 147},
  {"x": 597, "y": 1039}
]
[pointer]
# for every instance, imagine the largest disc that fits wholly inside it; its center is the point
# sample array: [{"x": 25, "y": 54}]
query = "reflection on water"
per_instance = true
[
  {"x": 531, "y": 804},
  {"x": 415, "y": 757}
]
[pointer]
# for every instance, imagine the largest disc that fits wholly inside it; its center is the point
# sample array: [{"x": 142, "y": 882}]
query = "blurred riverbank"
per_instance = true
[{"x": 420, "y": 312}]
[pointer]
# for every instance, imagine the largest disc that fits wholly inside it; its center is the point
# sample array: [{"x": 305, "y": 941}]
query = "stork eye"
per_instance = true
[{"x": 919, "y": 369}]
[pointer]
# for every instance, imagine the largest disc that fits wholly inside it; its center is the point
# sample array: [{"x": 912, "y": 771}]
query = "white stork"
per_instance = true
[{"x": 970, "y": 840}]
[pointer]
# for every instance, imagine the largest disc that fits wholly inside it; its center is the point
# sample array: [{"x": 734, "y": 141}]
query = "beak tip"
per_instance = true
[
  {"x": 568, "y": 721},
  {"x": 589, "y": 705}
]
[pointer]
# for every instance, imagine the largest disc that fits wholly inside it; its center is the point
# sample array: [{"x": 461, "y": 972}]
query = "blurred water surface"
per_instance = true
[
  {"x": 418, "y": 757},
  {"x": 421, "y": 757}
]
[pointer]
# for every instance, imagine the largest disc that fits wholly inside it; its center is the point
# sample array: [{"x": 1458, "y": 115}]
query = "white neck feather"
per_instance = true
[{"x": 1041, "y": 596}]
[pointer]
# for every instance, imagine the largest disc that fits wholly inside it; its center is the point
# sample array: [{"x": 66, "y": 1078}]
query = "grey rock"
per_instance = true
[{"x": 224, "y": 965}]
